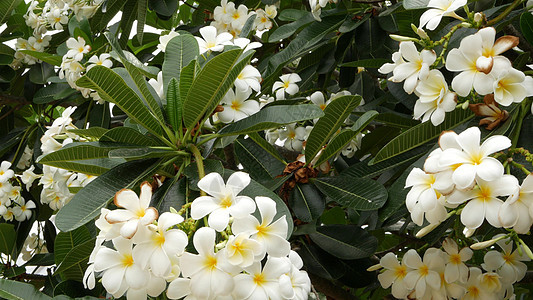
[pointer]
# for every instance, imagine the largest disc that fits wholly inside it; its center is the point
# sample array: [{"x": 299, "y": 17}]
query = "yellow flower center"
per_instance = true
[
  {"x": 455, "y": 259},
  {"x": 400, "y": 272},
  {"x": 323, "y": 106},
  {"x": 226, "y": 201},
  {"x": 292, "y": 135},
  {"x": 484, "y": 194},
  {"x": 473, "y": 291},
  {"x": 210, "y": 45},
  {"x": 508, "y": 258},
  {"x": 424, "y": 270},
  {"x": 286, "y": 84},
  {"x": 236, "y": 15},
  {"x": 235, "y": 105},
  {"x": 259, "y": 279},
  {"x": 210, "y": 262},
  {"x": 263, "y": 20},
  {"x": 81, "y": 49},
  {"x": 127, "y": 260},
  {"x": 58, "y": 19},
  {"x": 262, "y": 230},
  {"x": 2, "y": 172},
  {"x": 140, "y": 213},
  {"x": 159, "y": 239}
]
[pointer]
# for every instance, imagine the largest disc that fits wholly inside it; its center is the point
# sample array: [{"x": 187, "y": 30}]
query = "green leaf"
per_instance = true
[
  {"x": 415, "y": 4},
  {"x": 180, "y": 51},
  {"x": 93, "y": 132},
  {"x": 211, "y": 84},
  {"x": 15, "y": 290},
  {"x": 367, "y": 63},
  {"x": 291, "y": 14},
  {"x": 86, "y": 204},
  {"x": 129, "y": 14},
  {"x": 39, "y": 73},
  {"x": 6, "y": 6},
  {"x": 186, "y": 78},
  {"x": 356, "y": 193},
  {"x": 306, "y": 202},
  {"x": 75, "y": 262},
  {"x": 129, "y": 136},
  {"x": 142, "y": 11},
  {"x": 112, "y": 88},
  {"x": 271, "y": 117},
  {"x": 345, "y": 241},
  {"x": 421, "y": 134},
  {"x": 66, "y": 241},
  {"x": 256, "y": 161},
  {"x": 7, "y": 238},
  {"x": 526, "y": 24},
  {"x": 334, "y": 116},
  {"x": 85, "y": 157},
  {"x": 47, "y": 58},
  {"x": 174, "y": 105},
  {"x": 145, "y": 152},
  {"x": 338, "y": 142},
  {"x": 266, "y": 146},
  {"x": 173, "y": 193},
  {"x": 248, "y": 26},
  {"x": 47, "y": 94},
  {"x": 287, "y": 30},
  {"x": 320, "y": 262}
]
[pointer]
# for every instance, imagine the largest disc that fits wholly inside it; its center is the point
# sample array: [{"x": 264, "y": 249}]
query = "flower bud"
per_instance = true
[
  {"x": 468, "y": 232},
  {"x": 466, "y": 25},
  {"x": 401, "y": 38},
  {"x": 485, "y": 244},
  {"x": 374, "y": 268},
  {"x": 478, "y": 17},
  {"x": 422, "y": 34},
  {"x": 424, "y": 231},
  {"x": 465, "y": 105}
]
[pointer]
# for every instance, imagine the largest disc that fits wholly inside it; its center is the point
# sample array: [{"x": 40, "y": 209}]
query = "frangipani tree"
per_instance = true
[{"x": 265, "y": 150}]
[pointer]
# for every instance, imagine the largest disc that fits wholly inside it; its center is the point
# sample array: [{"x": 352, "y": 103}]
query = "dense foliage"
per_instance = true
[{"x": 265, "y": 149}]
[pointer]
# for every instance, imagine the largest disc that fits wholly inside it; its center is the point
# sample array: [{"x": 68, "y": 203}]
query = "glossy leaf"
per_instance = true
[
  {"x": 356, "y": 193},
  {"x": 7, "y": 238},
  {"x": 128, "y": 136},
  {"x": 15, "y": 290},
  {"x": 256, "y": 161},
  {"x": 65, "y": 241},
  {"x": 306, "y": 202},
  {"x": 74, "y": 264},
  {"x": 180, "y": 51},
  {"x": 47, "y": 58},
  {"x": 345, "y": 241},
  {"x": 174, "y": 106},
  {"x": 334, "y": 116}
]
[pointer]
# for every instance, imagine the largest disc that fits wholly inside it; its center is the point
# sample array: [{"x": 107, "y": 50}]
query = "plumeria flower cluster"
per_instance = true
[
  {"x": 478, "y": 61},
  {"x": 461, "y": 172},
  {"x": 237, "y": 254},
  {"x": 231, "y": 19},
  {"x": 445, "y": 275},
  {"x": 317, "y": 5},
  {"x": 13, "y": 206},
  {"x": 56, "y": 181}
]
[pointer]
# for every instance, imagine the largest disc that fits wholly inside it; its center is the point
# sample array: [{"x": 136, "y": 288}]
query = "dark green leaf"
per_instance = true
[
  {"x": 320, "y": 262},
  {"x": 526, "y": 24},
  {"x": 47, "y": 94},
  {"x": 174, "y": 105},
  {"x": 367, "y": 63},
  {"x": 415, "y": 4},
  {"x": 6, "y": 6},
  {"x": 14, "y": 290},
  {"x": 356, "y": 193},
  {"x": 93, "y": 132},
  {"x": 65, "y": 241},
  {"x": 75, "y": 262},
  {"x": 180, "y": 51},
  {"x": 7, "y": 238},
  {"x": 48, "y": 58},
  {"x": 129, "y": 136},
  {"x": 345, "y": 241},
  {"x": 306, "y": 202},
  {"x": 256, "y": 161}
]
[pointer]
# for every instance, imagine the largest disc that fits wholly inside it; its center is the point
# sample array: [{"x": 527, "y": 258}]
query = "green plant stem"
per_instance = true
[
  {"x": 207, "y": 138},
  {"x": 199, "y": 163},
  {"x": 521, "y": 167},
  {"x": 505, "y": 13},
  {"x": 444, "y": 42},
  {"x": 31, "y": 128}
]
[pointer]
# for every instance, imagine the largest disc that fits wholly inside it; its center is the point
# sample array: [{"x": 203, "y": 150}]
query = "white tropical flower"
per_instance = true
[
  {"x": 484, "y": 203},
  {"x": 23, "y": 211},
  {"x": 268, "y": 232},
  {"x": 509, "y": 86},
  {"x": 262, "y": 282},
  {"x": 165, "y": 39},
  {"x": 246, "y": 45},
  {"x": 262, "y": 21},
  {"x": 206, "y": 269},
  {"x": 394, "y": 275},
  {"x": 508, "y": 264},
  {"x": 440, "y": 8},
  {"x": 158, "y": 85},
  {"x": 224, "y": 11},
  {"x": 271, "y": 11},
  {"x": 5, "y": 172},
  {"x": 435, "y": 99},
  {"x": 223, "y": 200},
  {"x": 287, "y": 84},
  {"x": 397, "y": 59},
  {"x": 248, "y": 78},
  {"x": 160, "y": 244},
  {"x": 456, "y": 270},
  {"x": 515, "y": 211},
  {"x": 236, "y": 106},
  {"x": 475, "y": 289},
  {"x": 242, "y": 251},
  {"x": 210, "y": 41},
  {"x": 239, "y": 17},
  {"x": 474, "y": 160},
  {"x": 77, "y": 48},
  {"x": 103, "y": 60},
  {"x": 57, "y": 18},
  {"x": 295, "y": 284},
  {"x": 423, "y": 274},
  {"x": 136, "y": 212},
  {"x": 415, "y": 67},
  {"x": 294, "y": 137}
]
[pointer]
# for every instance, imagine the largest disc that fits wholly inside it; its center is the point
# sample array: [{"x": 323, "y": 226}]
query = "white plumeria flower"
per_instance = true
[
  {"x": 316, "y": 8},
  {"x": 5, "y": 172},
  {"x": 423, "y": 274},
  {"x": 474, "y": 160},
  {"x": 515, "y": 211},
  {"x": 160, "y": 244},
  {"x": 77, "y": 48},
  {"x": 387, "y": 68},
  {"x": 165, "y": 39},
  {"x": 456, "y": 270},
  {"x": 475, "y": 58},
  {"x": 239, "y": 17},
  {"x": 424, "y": 193},
  {"x": 223, "y": 201},
  {"x": 508, "y": 264},
  {"x": 475, "y": 289},
  {"x": 295, "y": 284},
  {"x": 287, "y": 84},
  {"x": 415, "y": 67},
  {"x": 272, "y": 135},
  {"x": 435, "y": 99},
  {"x": 236, "y": 106},
  {"x": 56, "y": 19},
  {"x": 158, "y": 85},
  {"x": 242, "y": 251},
  {"x": 206, "y": 269},
  {"x": 509, "y": 87},
  {"x": 318, "y": 99},
  {"x": 484, "y": 203},
  {"x": 440, "y": 8},
  {"x": 272, "y": 234},
  {"x": 210, "y": 41},
  {"x": 136, "y": 212},
  {"x": 8, "y": 215},
  {"x": 261, "y": 283},
  {"x": 23, "y": 211},
  {"x": 352, "y": 147},
  {"x": 5, "y": 202},
  {"x": 394, "y": 275},
  {"x": 271, "y": 11},
  {"x": 294, "y": 137},
  {"x": 224, "y": 11},
  {"x": 248, "y": 78},
  {"x": 65, "y": 119},
  {"x": 262, "y": 22},
  {"x": 246, "y": 45},
  {"x": 103, "y": 60}
]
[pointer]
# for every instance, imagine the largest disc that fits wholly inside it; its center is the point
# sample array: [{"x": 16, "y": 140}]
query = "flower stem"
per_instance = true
[
  {"x": 506, "y": 12},
  {"x": 199, "y": 163}
]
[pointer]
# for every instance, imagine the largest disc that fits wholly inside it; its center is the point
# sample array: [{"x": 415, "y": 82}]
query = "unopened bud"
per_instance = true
[
  {"x": 466, "y": 25},
  {"x": 478, "y": 17},
  {"x": 374, "y": 268},
  {"x": 422, "y": 34},
  {"x": 173, "y": 210},
  {"x": 485, "y": 244},
  {"x": 424, "y": 231},
  {"x": 527, "y": 250},
  {"x": 401, "y": 38},
  {"x": 221, "y": 245},
  {"x": 468, "y": 232},
  {"x": 465, "y": 105}
]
